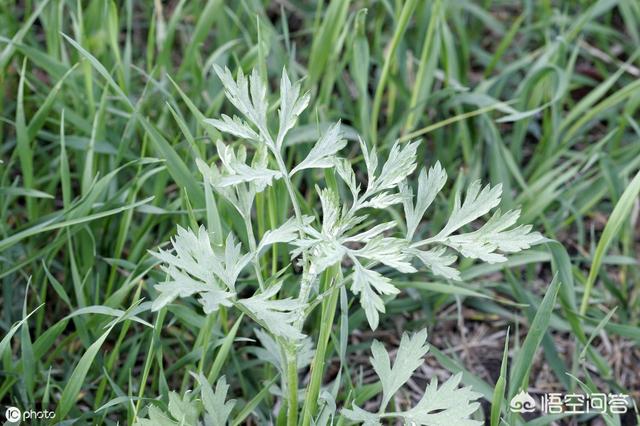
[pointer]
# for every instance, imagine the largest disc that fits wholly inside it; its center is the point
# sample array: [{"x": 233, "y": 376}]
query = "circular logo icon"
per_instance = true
[{"x": 13, "y": 414}]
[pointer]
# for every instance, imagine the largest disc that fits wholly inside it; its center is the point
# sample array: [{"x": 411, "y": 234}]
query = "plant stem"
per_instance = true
[
  {"x": 287, "y": 182},
  {"x": 292, "y": 387},
  {"x": 307, "y": 278},
  {"x": 305, "y": 290},
  {"x": 253, "y": 248},
  {"x": 317, "y": 367}
]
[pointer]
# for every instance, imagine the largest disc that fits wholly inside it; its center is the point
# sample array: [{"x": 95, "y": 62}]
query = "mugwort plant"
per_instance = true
[{"x": 340, "y": 248}]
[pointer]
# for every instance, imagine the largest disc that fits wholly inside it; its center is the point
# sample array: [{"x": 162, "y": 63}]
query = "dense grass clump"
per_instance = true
[{"x": 252, "y": 212}]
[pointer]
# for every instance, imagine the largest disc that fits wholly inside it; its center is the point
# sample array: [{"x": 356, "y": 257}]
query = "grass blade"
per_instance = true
[
  {"x": 498, "y": 392},
  {"x": 614, "y": 224},
  {"x": 537, "y": 329}
]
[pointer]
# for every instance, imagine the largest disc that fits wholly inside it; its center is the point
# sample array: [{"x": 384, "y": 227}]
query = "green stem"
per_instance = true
[
  {"x": 292, "y": 387},
  {"x": 289, "y": 186},
  {"x": 317, "y": 367},
  {"x": 305, "y": 287},
  {"x": 253, "y": 248}
]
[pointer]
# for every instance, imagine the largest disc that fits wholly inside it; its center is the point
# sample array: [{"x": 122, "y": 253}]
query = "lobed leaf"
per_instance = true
[
  {"x": 322, "y": 154},
  {"x": 438, "y": 262},
  {"x": 276, "y": 315},
  {"x": 248, "y": 96},
  {"x": 443, "y": 406},
  {"x": 370, "y": 285},
  {"x": 429, "y": 185},
  {"x": 477, "y": 203},
  {"x": 494, "y": 235},
  {"x": 291, "y": 106}
]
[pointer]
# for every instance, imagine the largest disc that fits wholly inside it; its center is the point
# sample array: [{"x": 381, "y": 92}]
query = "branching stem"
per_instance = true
[{"x": 252, "y": 245}]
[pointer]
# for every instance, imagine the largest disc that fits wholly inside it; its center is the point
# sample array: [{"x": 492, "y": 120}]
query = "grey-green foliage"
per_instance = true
[
  {"x": 332, "y": 240},
  {"x": 209, "y": 409},
  {"x": 196, "y": 267},
  {"x": 439, "y": 406}
]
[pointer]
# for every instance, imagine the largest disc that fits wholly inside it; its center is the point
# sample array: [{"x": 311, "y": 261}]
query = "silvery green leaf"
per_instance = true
[
  {"x": 291, "y": 106},
  {"x": 193, "y": 266},
  {"x": 217, "y": 409},
  {"x": 390, "y": 251},
  {"x": 305, "y": 352},
  {"x": 495, "y": 235},
  {"x": 429, "y": 185},
  {"x": 156, "y": 417},
  {"x": 484, "y": 251},
  {"x": 229, "y": 157},
  {"x": 444, "y": 406},
  {"x": 347, "y": 223},
  {"x": 370, "y": 233},
  {"x": 180, "y": 285},
  {"x": 400, "y": 163},
  {"x": 193, "y": 254},
  {"x": 409, "y": 357},
  {"x": 330, "y": 203},
  {"x": 477, "y": 203},
  {"x": 246, "y": 174},
  {"x": 183, "y": 409},
  {"x": 241, "y": 196},
  {"x": 322, "y": 253},
  {"x": 212, "y": 176},
  {"x": 236, "y": 92},
  {"x": 371, "y": 161},
  {"x": 259, "y": 98},
  {"x": 234, "y": 261},
  {"x": 438, "y": 262},
  {"x": 383, "y": 200},
  {"x": 345, "y": 171},
  {"x": 328, "y": 409},
  {"x": 368, "y": 284},
  {"x": 239, "y": 172},
  {"x": 234, "y": 126},
  {"x": 323, "y": 152},
  {"x": 506, "y": 240},
  {"x": 285, "y": 233},
  {"x": 248, "y": 96},
  {"x": 276, "y": 315},
  {"x": 357, "y": 414},
  {"x": 186, "y": 410},
  {"x": 260, "y": 161},
  {"x": 211, "y": 300},
  {"x": 271, "y": 352}
]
